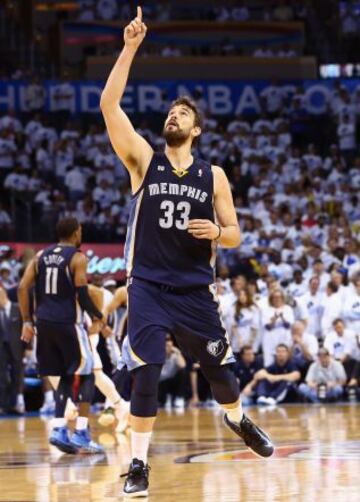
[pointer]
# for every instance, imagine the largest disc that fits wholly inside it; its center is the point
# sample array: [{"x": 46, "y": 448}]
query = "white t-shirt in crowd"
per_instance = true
[
  {"x": 311, "y": 305},
  {"x": 351, "y": 310},
  {"x": 245, "y": 329},
  {"x": 338, "y": 346},
  {"x": 280, "y": 333},
  {"x": 331, "y": 310}
]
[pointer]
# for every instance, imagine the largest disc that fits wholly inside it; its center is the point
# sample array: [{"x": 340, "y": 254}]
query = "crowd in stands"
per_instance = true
[
  {"x": 290, "y": 295},
  {"x": 241, "y": 10}
]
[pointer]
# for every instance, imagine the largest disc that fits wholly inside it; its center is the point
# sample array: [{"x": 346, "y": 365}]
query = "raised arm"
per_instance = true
[{"x": 133, "y": 150}]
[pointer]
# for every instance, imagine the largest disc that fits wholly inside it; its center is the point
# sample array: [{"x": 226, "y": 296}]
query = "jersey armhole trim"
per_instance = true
[{"x": 135, "y": 194}]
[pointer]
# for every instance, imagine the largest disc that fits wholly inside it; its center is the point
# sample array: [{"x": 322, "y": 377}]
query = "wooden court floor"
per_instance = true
[{"x": 194, "y": 458}]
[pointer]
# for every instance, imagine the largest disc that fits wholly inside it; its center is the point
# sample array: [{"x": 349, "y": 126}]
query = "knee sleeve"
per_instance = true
[
  {"x": 222, "y": 382},
  {"x": 86, "y": 389},
  {"x": 123, "y": 383},
  {"x": 144, "y": 399},
  {"x": 63, "y": 391}
]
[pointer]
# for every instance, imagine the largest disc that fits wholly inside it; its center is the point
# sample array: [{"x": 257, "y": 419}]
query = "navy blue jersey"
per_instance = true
[
  {"x": 158, "y": 245},
  {"x": 55, "y": 289}
]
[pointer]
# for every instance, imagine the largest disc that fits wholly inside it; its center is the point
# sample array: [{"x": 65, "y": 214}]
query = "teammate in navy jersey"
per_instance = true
[
  {"x": 181, "y": 209},
  {"x": 59, "y": 276}
]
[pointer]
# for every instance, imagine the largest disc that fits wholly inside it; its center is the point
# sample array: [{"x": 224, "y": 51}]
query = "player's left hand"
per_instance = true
[
  {"x": 27, "y": 332},
  {"x": 203, "y": 229}
]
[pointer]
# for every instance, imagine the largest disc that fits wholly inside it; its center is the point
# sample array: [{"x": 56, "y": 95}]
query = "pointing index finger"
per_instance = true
[{"x": 139, "y": 13}]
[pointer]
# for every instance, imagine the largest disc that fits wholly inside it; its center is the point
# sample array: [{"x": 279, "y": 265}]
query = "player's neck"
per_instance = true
[
  {"x": 179, "y": 157},
  {"x": 66, "y": 243}
]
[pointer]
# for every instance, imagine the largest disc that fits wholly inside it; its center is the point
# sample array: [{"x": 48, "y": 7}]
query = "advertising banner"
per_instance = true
[
  {"x": 222, "y": 97},
  {"x": 105, "y": 259}
]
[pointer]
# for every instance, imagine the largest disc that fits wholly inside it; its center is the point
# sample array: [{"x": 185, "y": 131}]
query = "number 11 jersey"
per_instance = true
[
  {"x": 158, "y": 246},
  {"x": 55, "y": 292}
]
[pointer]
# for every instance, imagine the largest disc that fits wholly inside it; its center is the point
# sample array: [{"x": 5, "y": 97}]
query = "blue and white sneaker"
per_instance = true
[
  {"x": 60, "y": 438},
  {"x": 81, "y": 440}
]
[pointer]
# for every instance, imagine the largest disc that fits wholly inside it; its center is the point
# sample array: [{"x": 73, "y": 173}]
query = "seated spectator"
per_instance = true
[
  {"x": 342, "y": 345},
  {"x": 275, "y": 381},
  {"x": 276, "y": 321},
  {"x": 324, "y": 380},
  {"x": 171, "y": 386},
  {"x": 305, "y": 346},
  {"x": 245, "y": 368},
  {"x": 243, "y": 323}
]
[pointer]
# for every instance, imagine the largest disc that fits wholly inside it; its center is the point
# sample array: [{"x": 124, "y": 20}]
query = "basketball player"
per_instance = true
[
  {"x": 121, "y": 377},
  {"x": 117, "y": 408},
  {"x": 170, "y": 257},
  {"x": 59, "y": 276}
]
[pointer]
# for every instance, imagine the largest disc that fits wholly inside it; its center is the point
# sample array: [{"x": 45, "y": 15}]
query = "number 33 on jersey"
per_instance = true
[{"x": 158, "y": 222}]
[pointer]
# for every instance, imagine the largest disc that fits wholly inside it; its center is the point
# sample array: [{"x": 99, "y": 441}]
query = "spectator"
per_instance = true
[
  {"x": 11, "y": 355},
  {"x": 35, "y": 96},
  {"x": 331, "y": 307},
  {"x": 311, "y": 305},
  {"x": 305, "y": 346},
  {"x": 275, "y": 381},
  {"x": 342, "y": 345},
  {"x": 346, "y": 132},
  {"x": 63, "y": 98},
  {"x": 6, "y": 279},
  {"x": 276, "y": 321},
  {"x": 273, "y": 97},
  {"x": 171, "y": 386},
  {"x": 245, "y": 368},
  {"x": 324, "y": 380},
  {"x": 243, "y": 323}
]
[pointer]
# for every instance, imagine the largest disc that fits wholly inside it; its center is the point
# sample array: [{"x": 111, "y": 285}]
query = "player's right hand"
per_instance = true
[
  {"x": 27, "y": 332},
  {"x": 135, "y": 31},
  {"x": 106, "y": 331}
]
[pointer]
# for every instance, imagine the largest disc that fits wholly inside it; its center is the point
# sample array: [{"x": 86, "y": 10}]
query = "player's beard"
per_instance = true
[{"x": 175, "y": 137}]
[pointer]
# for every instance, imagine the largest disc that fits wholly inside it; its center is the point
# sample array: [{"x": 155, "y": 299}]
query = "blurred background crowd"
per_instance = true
[{"x": 290, "y": 295}]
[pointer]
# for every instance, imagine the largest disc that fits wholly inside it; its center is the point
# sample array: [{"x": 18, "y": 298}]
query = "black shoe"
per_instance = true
[
  {"x": 137, "y": 481},
  {"x": 253, "y": 436}
]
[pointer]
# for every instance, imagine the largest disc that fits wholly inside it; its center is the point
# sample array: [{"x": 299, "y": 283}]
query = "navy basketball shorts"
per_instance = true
[
  {"x": 191, "y": 316},
  {"x": 63, "y": 349}
]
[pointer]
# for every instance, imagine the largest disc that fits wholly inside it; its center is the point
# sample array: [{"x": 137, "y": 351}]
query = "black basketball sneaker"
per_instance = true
[
  {"x": 253, "y": 436},
  {"x": 137, "y": 480}
]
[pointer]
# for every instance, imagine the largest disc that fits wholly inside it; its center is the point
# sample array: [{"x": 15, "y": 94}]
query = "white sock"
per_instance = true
[
  {"x": 59, "y": 422},
  {"x": 106, "y": 386},
  {"x": 234, "y": 414},
  {"x": 140, "y": 442},
  {"x": 81, "y": 423},
  {"x": 48, "y": 396},
  {"x": 20, "y": 399}
]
